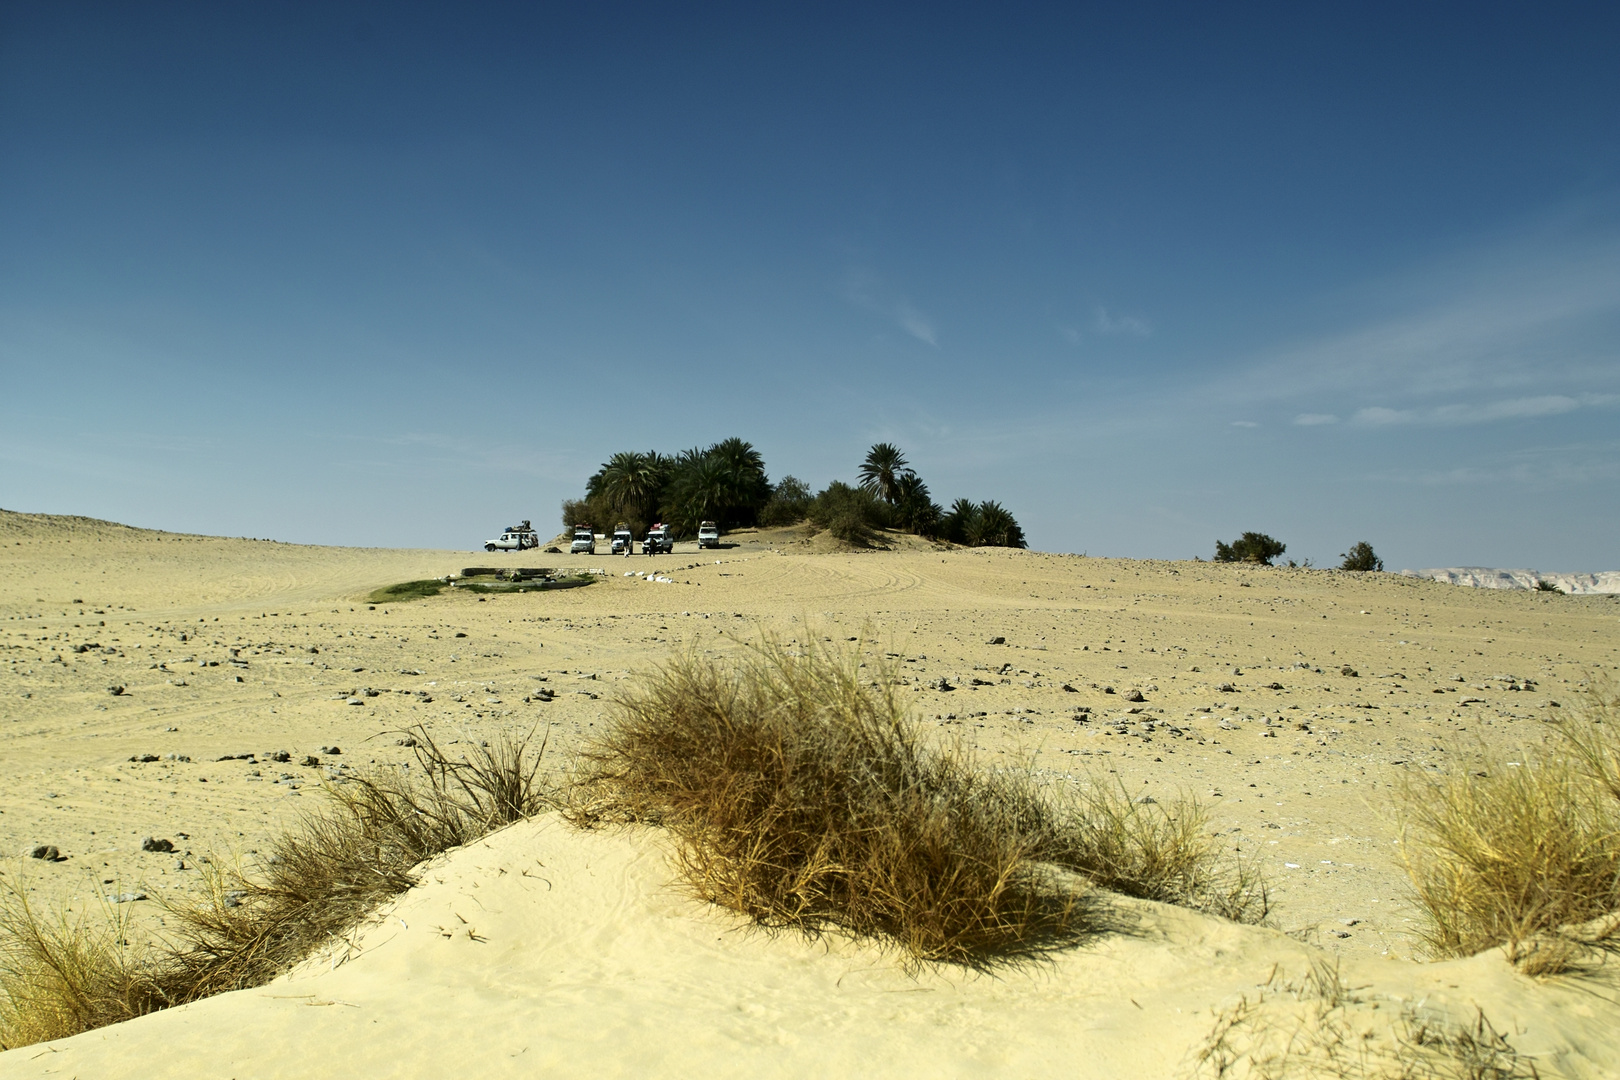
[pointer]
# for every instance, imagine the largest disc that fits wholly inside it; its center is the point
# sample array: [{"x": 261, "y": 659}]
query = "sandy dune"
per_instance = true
[{"x": 227, "y": 647}]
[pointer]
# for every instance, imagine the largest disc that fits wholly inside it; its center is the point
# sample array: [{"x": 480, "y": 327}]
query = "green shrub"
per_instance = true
[
  {"x": 1360, "y": 557},
  {"x": 851, "y": 514},
  {"x": 789, "y": 503},
  {"x": 1251, "y": 547}
]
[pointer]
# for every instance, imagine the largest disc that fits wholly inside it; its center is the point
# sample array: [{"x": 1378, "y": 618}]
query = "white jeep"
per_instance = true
[
  {"x": 659, "y": 540},
  {"x": 584, "y": 541},
  {"x": 515, "y": 538},
  {"x": 708, "y": 535}
]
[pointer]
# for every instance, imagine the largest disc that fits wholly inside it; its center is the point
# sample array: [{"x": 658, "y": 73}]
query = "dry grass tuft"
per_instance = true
[
  {"x": 321, "y": 879},
  {"x": 1156, "y": 851},
  {"x": 801, "y": 796},
  {"x": 60, "y": 976},
  {"x": 1519, "y": 855},
  {"x": 1317, "y": 1028}
]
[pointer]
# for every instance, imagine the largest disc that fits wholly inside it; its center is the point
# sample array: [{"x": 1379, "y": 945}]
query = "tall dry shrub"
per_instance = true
[
  {"x": 1519, "y": 855},
  {"x": 801, "y": 796}
]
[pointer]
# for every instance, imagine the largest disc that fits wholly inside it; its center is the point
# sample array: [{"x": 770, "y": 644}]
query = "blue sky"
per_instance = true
[{"x": 1149, "y": 275}]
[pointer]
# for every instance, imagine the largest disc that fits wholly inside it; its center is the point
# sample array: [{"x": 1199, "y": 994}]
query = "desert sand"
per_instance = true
[{"x": 1289, "y": 701}]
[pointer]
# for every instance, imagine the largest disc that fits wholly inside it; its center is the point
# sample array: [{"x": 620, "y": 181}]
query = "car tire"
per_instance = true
[{"x": 489, "y": 547}]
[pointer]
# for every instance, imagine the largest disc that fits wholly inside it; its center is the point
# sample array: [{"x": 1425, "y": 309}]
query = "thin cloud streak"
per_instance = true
[
  {"x": 1507, "y": 409},
  {"x": 1121, "y": 325},
  {"x": 863, "y": 289}
]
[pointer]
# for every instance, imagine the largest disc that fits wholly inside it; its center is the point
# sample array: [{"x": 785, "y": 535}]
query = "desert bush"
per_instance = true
[
  {"x": 801, "y": 796},
  {"x": 322, "y": 878},
  {"x": 1360, "y": 557},
  {"x": 593, "y": 511},
  {"x": 1521, "y": 856},
  {"x": 789, "y": 503},
  {"x": 851, "y": 514},
  {"x": 1250, "y": 547}
]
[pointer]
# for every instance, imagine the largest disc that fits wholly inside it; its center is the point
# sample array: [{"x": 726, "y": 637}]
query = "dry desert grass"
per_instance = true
[
  {"x": 1513, "y": 853},
  {"x": 60, "y": 976}
]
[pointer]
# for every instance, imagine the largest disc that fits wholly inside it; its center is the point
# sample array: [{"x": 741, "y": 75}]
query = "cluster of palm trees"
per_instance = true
[
  {"x": 726, "y": 483},
  {"x": 887, "y": 476}
]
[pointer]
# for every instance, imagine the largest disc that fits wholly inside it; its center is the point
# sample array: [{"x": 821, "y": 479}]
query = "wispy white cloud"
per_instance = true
[
  {"x": 1244, "y": 423},
  {"x": 1504, "y": 409},
  {"x": 1121, "y": 325},
  {"x": 1540, "y": 467},
  {"x": 915, "y": 323},
  {"x": 1526, "y": 322},
  {"x": 1315, "y": 419},
  {"x": 863, "y": 289}
]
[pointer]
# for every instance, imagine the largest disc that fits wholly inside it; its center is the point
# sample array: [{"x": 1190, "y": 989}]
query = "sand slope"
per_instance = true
[
  {"x": 546, "y": 951},
  {"x": 226, "y": 647}
]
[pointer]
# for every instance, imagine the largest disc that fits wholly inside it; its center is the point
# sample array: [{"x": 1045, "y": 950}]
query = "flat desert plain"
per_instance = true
[{"x": 1290, "y": 702}]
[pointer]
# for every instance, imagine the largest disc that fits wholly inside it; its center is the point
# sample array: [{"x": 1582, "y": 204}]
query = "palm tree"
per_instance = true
[
  {"x": 961, "y": 522},
  {"x": 914, "y": 509},
  {"x": 881, "y": 472},
  {"x": 750, "y": 488},
  {"x": 997, "y": 527},
  {"x": 631, "y": 482}
]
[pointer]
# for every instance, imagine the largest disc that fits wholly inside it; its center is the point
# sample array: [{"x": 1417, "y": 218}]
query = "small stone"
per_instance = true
[
  {"x": 47, "y": 852},
  {"x": 995, "y": 639},
  {"x": 941, "y": 684},
  {"x": 330, "y": 750},
  {"x": 354, "y": 701},
  {"x": 1274, "y": 686},
  {"x": 1227, "y": 688},
  {"x": 1146, "y": 800},
  {"x": 153, "y": 844},
  {"x": 143, "y": 757},
  {"x": 116, "y": 690},
  {"x": 279, "y": 755},
  {"x": 126, "y": 898},
  {"x": 310, "y": 761},
  {"x": 1134, "y": 695},
  {"x": 1348, "y": 671}
]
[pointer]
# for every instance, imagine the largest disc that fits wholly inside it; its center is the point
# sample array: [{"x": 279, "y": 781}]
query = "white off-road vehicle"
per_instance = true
[
  {"x": 623, "y": 541},
  {"x": 659, "y": 540},
  {"x": 515, "y": 538},
  {"x": 708, "y": 535},
  {"x": 584, "y": 541}
]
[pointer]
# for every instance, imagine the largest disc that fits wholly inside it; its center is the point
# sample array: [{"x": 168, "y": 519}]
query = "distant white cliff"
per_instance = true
[{"x": 1480, "y": 577}]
